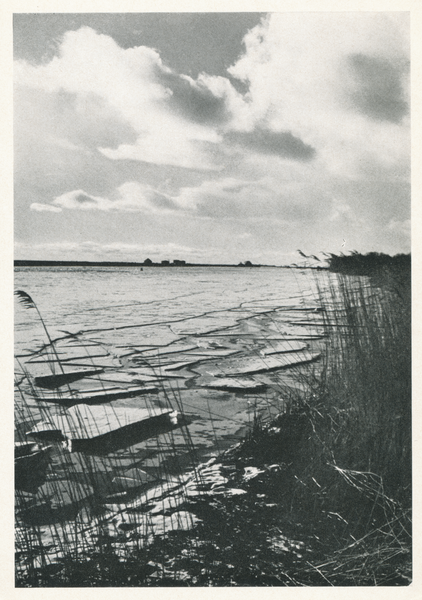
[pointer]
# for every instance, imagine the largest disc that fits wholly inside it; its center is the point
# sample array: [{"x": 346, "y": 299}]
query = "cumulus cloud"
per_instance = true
[
  {"x": 318, "y": 141},
  {"x": 229, "y": 197},
  {"x": 39, "y": 207},
  {"x": 170, "y": 114},
  {"x": 130, "y": 197},
  {"x": 282, "y": 143},
  {"x": 173, "y": 148},
  {"x": 194, "y": 100},
  {"x": 319, "y": 85},
  {"x": 336, "y": 81}
]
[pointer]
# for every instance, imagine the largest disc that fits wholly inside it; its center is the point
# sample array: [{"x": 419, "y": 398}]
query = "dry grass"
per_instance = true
[{"x": 359, "y": 453}]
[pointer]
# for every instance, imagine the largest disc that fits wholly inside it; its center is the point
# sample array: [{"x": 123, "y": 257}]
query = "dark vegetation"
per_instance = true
[
  {"x": 373, "y": 263},
  {"x": 326, "y": 486}
]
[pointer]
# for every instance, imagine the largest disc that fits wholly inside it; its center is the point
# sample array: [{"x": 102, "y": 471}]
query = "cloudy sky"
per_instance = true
[{"x": 211, "y": 137}]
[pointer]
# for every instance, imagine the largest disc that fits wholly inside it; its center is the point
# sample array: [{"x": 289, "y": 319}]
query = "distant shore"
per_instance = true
[
  {"x": 174, "y": 264},
  {"x": 85, "y": 263},
  {"x": 373, "y": 264}
]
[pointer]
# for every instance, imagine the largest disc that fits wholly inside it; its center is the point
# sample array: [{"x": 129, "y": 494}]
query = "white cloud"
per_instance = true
[
  {"x": 310, "y": 76},
  {"x": 79, "y": 200},
  {"x": 317, "y": 148},
  {"x": 270, "y": 197},
  {"x": 129, "y": 197},
  {"x": 38, "y": 207},
  {"x": 172, "y": 149},
  {"x": 142, "y": 91},
  {"x": 299, "y": 67}
]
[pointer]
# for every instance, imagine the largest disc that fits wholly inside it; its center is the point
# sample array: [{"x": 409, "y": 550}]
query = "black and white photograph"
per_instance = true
[{"x": 212, "y": 298}]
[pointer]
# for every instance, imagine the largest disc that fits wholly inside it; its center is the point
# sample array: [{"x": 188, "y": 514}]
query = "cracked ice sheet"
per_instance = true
[
  {"x": 42, "y": 369},
  {"x": 250, "y": 365},
  {"x": 292, "y": 302},
  {"x": 150, "y": 335},
  {"x": 280, "y": 330},
  {"x": 284, "y": 330},
  {"x": 221, "y": 413},
  {"x": 274, "y": 325},
  {"x": 230, "y": 384},
  {"x": 172, "y": 349},
  {"x": 146, "y": 373},
  {"x": 123, "y": 377},
  {"x": 217, "y": 320},
  {"x": 280, "y": 346},
  {"x": 166, "y": 369},
  {"x": 77, "y": 355},
  {"x": 212, "y": 353}
]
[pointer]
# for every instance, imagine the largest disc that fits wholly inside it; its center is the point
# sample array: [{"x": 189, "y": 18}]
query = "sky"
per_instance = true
[{"x": 216, "y": 138}]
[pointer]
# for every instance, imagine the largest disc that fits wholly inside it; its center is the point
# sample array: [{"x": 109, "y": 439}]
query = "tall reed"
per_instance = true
[
  {"x": 356, "y": 469},
  {"x": 365, "y": 394}
]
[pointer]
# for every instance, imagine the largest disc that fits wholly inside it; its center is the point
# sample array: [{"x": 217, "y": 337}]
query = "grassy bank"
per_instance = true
[
  {"x": 319, "y": 496},
  {"x": 345, "y": 450}
]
